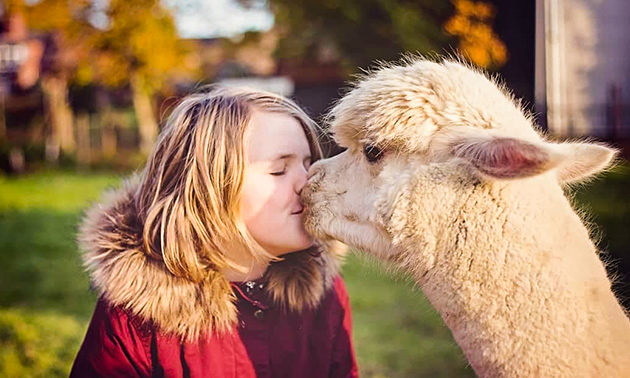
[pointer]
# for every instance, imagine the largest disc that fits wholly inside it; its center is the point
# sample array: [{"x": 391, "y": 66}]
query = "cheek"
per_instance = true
[{"x": 263, "y": 200}]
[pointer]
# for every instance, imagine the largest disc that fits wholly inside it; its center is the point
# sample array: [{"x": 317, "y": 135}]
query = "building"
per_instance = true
[{"x": 583, "y": 67}]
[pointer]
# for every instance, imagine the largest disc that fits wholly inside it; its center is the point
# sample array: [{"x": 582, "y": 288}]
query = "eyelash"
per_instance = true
[{"x": 284, "y": 171}]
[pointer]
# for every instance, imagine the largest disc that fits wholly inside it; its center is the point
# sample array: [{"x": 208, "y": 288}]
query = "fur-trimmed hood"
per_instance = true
[{"x": 110, "y": 238}]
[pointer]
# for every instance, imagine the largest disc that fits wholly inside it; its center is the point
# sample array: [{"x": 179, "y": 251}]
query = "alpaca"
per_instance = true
[{"x": 446, "y": 177}]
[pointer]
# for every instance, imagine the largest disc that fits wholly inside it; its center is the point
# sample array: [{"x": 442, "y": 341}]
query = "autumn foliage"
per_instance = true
[{"x": 472, "y": 25}]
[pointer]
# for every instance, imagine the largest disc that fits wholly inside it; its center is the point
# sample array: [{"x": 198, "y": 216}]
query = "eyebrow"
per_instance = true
[{"x": 289, "y": 156}]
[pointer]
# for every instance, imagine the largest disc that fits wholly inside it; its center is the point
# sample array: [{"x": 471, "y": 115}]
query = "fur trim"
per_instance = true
[{"x": 110, "y": 237}]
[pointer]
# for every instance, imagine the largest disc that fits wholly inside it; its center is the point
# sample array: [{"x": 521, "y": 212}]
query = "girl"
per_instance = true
[{"x": 202, "y": 263}]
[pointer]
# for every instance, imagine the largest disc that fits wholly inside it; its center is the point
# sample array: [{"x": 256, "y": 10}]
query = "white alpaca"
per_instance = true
[{"x": 445, "y": 176}]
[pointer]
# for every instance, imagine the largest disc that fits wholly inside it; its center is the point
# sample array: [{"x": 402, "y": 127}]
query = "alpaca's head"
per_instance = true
[{"x": 404, "y": 122}]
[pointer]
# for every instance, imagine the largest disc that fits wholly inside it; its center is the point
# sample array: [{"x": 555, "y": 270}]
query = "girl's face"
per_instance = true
[{"x": 278, "y": 157}]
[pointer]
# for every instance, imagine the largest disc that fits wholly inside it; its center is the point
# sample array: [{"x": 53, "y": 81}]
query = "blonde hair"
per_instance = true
[{"x": 189, "y": 196}]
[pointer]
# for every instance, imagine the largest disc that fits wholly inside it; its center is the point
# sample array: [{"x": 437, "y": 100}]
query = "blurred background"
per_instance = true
[{"x": 85, "y": 86}]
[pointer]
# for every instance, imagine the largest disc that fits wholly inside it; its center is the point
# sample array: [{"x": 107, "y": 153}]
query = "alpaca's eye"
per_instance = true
[{"x": 372, "y": 153}]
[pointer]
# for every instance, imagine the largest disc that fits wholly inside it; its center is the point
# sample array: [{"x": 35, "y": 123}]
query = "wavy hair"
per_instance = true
[{"x": 189, "y": 195}]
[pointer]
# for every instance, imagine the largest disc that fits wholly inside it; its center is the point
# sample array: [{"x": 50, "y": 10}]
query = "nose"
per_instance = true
[{"x": 301, "y": 180}]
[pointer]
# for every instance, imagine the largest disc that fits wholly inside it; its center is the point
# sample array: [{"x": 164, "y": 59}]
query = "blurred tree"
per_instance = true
[
  {"x": 61, "y": 21},
  {"x": 359, "y": 30},
  {"x": 115, "y": 43},
  {"x": 137, "y": 43},
  {"x": 472, "y": 25}
]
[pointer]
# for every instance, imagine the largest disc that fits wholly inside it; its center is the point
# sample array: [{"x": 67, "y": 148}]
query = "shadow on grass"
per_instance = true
[
  {"x": 45, "y": 301},
  {"x": 41, "y": 267}
]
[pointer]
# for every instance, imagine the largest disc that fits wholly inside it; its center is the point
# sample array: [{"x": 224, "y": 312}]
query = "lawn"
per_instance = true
[{"x": 45, "y": 301}]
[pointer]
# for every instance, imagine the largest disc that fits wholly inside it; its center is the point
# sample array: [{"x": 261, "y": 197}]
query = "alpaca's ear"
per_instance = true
[
  {"x": 583, "y": 160},
  {"x": 506, "y": 158}
]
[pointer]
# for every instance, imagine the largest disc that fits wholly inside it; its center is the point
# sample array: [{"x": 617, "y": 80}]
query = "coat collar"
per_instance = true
[{"x": 110, "y": 238}]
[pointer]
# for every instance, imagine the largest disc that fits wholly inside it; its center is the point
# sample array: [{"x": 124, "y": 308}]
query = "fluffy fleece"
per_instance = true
[
  {"x": 111, "y": 238},
  {"x": 448, "y": 178}
]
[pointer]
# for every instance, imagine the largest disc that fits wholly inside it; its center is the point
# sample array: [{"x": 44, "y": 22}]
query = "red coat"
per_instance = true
[
  {"x": 268, "y": 342},
  {"x": 293, "y": 322}
]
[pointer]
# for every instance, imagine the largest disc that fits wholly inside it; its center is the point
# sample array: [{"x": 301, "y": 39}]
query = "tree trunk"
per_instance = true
[
  {"x": 59, "y": 114},
  {"x": 3, "y": 119},
  {"x": 83, "y": 139},
  {"x": 147, "y": 123},
  {"x": 109, "y": 141}
]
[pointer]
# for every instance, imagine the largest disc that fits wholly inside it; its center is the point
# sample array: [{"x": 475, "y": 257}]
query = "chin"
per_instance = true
[
  {"x": 294, "y": 246},
  {"x": 305, "y": 243},
  {"x": 309, "y": 241}
]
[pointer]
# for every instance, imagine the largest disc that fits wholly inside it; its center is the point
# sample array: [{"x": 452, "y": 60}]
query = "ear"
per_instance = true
[
  {"x": 583, "y": 160},
  {"x": 506, "y": 158}
]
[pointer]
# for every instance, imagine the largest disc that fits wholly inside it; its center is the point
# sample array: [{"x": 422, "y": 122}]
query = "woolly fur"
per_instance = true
[
  {"x": 467, "y": 197},
  {"x": 111, "y": 238}
]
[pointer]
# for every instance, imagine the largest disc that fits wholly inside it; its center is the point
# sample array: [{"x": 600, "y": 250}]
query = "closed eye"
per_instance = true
[{"x": 280, "y": 173}]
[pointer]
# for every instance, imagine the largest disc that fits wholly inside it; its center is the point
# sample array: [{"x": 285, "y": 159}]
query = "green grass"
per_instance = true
[
  {"x": 396, "y": 331},
  {"x": 607, "y": 205},
  {"x": 45, "y": 301}
]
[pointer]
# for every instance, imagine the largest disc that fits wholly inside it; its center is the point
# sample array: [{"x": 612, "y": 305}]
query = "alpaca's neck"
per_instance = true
[{"x": 519, "y": 283}]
